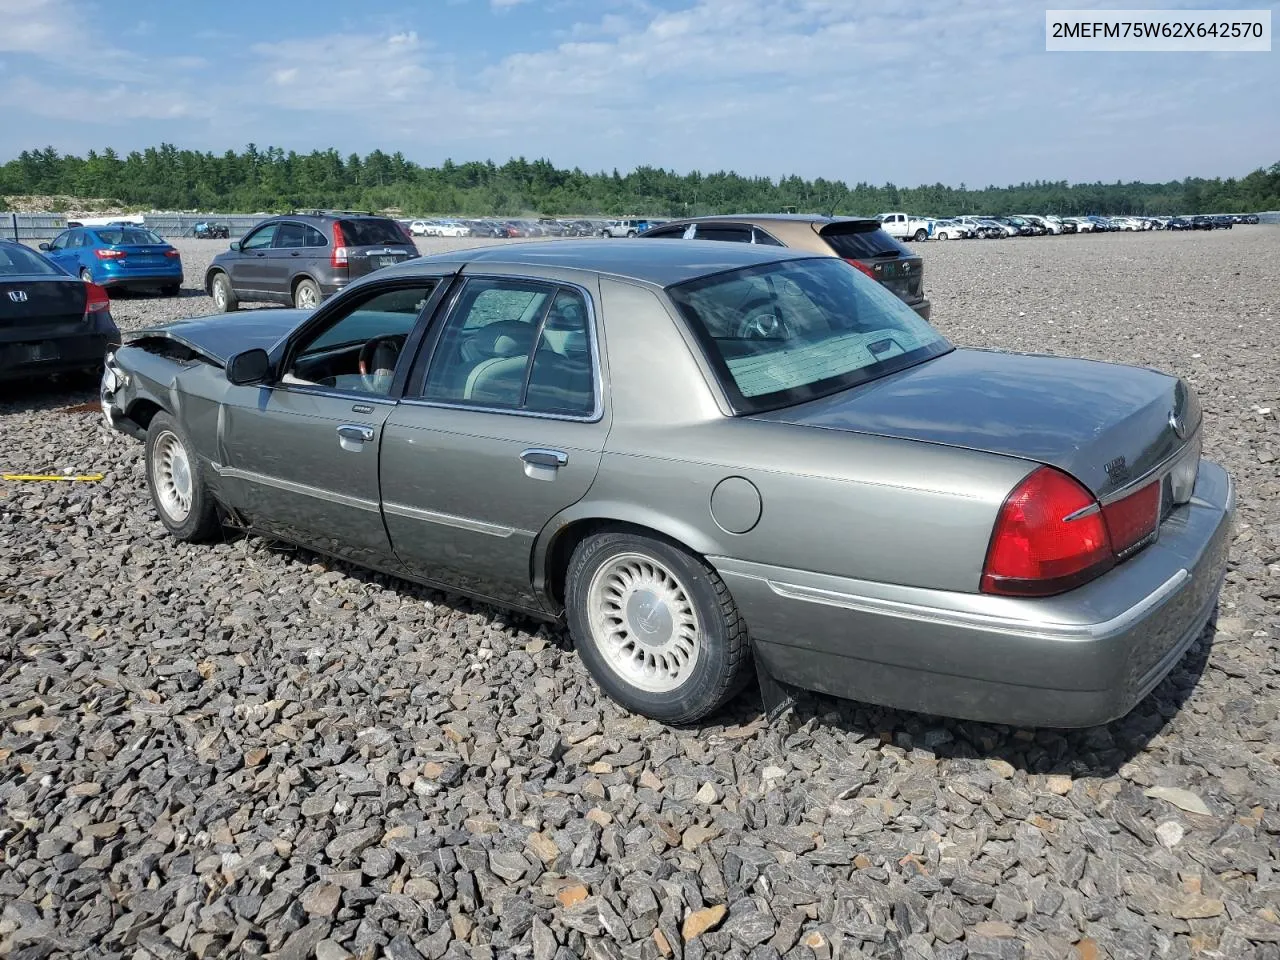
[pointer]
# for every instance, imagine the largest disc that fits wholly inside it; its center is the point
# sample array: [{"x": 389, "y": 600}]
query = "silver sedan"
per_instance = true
[{"x": 702, "y": 457}]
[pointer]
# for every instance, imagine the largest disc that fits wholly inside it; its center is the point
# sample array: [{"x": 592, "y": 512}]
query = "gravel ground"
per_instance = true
[{"x": 245, "y": 749}]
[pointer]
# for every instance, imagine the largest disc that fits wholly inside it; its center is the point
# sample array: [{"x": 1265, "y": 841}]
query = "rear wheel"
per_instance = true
[
  {"x": 306, "y": 295},
  {"x": 85, "y": 275},
  {"x": 224, "y": 298},
  {"x": 631, "y": 233},
  {"x": 942, "y": 236},
  {"x": 176, "y": 482},
  {"x": 921, "y": 234},
  {"x": 655, "y": 626}
]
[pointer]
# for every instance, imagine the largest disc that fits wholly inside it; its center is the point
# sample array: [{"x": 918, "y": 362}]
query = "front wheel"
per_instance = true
[
  {"x": 224, "y": 297},
  {"x": 655, "y": 626},
  {"x": 176, "y": 482}
]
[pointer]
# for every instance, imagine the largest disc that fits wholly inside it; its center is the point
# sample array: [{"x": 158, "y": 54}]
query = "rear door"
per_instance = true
[
  {"x": 502, "y": 428},
  {"x": 373, "y": 243},
  {"x": 250, "y": 270},
  {"x": 288, "y": 256}
]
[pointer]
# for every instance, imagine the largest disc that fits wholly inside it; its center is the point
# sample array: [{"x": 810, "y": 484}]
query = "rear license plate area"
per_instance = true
[
  {"x": 380, "y": 262},
  {"x": 33, "y": 352}
]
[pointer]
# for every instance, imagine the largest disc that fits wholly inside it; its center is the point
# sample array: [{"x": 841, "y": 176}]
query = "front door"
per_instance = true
[
  {"x": 251, "y": 269},
  {"x": 503, "y": 430},
  {"x": 301, "y": 456}
]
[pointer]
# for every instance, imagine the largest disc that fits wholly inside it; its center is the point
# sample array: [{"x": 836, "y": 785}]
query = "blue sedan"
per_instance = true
[{"x": 118, "y": 256}]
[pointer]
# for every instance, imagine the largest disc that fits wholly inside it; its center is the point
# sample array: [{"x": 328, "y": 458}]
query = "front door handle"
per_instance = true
[
  {"x": 353, "y": 436},
  {"x": 542, "y": 457}
]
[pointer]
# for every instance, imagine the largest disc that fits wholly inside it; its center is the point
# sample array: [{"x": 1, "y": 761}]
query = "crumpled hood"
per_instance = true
[
  {"x": 223, "y": 335},
  {"x": 1078, "y": 415}
]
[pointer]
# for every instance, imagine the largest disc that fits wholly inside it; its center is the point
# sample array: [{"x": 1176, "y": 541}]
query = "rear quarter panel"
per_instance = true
[{"x": 873, "y": 508}]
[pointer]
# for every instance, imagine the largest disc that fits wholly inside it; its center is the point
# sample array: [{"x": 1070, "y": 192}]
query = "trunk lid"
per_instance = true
[
  {"x": 1105, "y": 424},
  {"x": 373, "y": 243},
  {"x": 40, "y": 307},
  {"x": 890, "y": 262}
]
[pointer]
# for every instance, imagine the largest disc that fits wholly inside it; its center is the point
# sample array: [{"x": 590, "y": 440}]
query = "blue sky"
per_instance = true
[{"x": 910, "y": 91}]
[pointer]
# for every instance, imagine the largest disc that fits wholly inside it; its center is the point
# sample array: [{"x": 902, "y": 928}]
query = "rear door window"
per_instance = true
[
  {"x": 370, "y": 232},
  {"x": 290, "y": 236},
  {"x": 734, "y": 233}
]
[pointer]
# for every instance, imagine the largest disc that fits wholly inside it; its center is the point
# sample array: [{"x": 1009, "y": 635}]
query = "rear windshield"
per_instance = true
[
  {"x": 787, "y": 332},
  {"x": 16, "y": 261},
  {"x": 862, "y": 241},
  {"x": 370, "y": 232},
  {"x": 127, "y": 235}
]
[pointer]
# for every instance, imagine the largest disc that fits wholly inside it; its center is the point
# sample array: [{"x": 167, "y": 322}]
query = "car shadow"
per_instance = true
[
  {"x": 1098, "y": 751},
  {"x": 74, "y": 391}
]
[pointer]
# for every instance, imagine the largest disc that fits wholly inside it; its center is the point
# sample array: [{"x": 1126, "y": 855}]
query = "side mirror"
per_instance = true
[
  {"x": 234, "y": 245},
  {"x": 45, "y": 246},
  {"x": 249, "y": 367}
]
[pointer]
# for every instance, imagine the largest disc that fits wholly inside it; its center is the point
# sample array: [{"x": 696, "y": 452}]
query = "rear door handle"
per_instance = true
[
  {"x": 356, "y": 433},
  {"x": 543, "y": 457}
]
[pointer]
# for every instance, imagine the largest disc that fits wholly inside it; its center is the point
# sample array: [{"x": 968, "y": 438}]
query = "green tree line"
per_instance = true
[{"x": 273, "y": 179}]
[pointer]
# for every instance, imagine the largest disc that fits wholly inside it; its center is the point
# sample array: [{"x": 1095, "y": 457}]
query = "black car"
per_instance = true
[
  {"x": 50, "y": 321},
  {"x": 1180, "y": 223},
  {"x": 302, "y": 258},
  {"x": 1222, "y": 222}
]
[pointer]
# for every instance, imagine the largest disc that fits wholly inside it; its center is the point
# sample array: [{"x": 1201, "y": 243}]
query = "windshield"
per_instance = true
[
  {"x": 114, "y": 236},
  {"x": 787, "y": 332},
  {"x": 18, "y": 261}
]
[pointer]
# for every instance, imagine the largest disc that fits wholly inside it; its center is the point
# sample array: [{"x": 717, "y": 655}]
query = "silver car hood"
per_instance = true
[
  {"x": 1081, "y": 416},
  {"x": 223, "y": 335}
]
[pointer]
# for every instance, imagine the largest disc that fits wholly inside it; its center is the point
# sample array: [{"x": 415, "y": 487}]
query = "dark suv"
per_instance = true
[{"x": 302, "y": 258}]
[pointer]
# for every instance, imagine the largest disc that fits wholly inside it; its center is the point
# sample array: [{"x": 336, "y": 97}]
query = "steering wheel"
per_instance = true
[
  {"x": 377, "y": 362},
  {"x": 760, "y": 322}
]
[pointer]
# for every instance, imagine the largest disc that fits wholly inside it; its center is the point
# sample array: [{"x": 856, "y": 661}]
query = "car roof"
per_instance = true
[{"x": 645, "y": 261}]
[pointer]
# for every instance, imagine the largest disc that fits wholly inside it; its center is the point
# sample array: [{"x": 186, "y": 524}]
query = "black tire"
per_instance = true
[
  {"x": 306, "y": 294},
  {"x": 172, "y": 290},
  {"x": 224, "y": 295},
  {"x": 921, "y": 235},
  {"x": 200, "y": 522},
  {"x": 631, "y": 233},
  {"x": 723, "y": 661}
]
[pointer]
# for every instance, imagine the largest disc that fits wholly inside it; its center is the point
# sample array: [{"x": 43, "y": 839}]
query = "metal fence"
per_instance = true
[{"x": 46, "y": 226}]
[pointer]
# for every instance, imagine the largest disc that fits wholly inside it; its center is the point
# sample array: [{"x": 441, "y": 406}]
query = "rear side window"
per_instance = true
[
  {"x": 370, "y": 232},
  {"x": 730, "y": 232},
  {"x": 516, "y": 345},
  {"x": 857, "y": 242}
]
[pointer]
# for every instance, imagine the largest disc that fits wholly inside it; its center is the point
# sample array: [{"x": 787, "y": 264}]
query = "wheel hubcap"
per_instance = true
[
  {"x": 306, "y": 297},
  {"x": 219, "y": 294},
  {"x": 643, "y": 622},
  {"x": 172, "y": 472}
]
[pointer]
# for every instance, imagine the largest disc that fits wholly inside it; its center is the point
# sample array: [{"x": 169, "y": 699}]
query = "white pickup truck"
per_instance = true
[{"x": 902, "y": 226}]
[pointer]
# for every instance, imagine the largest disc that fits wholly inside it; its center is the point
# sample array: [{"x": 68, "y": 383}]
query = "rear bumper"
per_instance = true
[
  {"x": 60, "y": 354},
  {"x": 1076, "y": 660},
  {"x": 110, "y": 275}
]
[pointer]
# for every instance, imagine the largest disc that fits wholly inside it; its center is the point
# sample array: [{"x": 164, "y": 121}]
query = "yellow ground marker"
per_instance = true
[{"x": 84, "y": 477}]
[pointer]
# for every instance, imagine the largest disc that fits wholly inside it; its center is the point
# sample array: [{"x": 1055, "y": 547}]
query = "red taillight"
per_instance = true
[
  {"x": 103, "y": 254},
  {"x": 1133, "y": 519},
  {"x": 405, "y": 232},
  {"x": 1050, "y": 536},
  {"x": 339, "y": 256},
  {"x": 172, "y": 253},
  {"x": 95, "y": 300},
  {"x": 863, "y": 267}
]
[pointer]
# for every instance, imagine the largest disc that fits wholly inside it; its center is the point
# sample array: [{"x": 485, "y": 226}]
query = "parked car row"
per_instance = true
[
  {"x": 525, "y": 227},
  {"x": 1033, "y": 225}
]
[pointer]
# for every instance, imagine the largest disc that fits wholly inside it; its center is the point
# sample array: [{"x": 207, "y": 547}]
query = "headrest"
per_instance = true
[{"x": 506, "y": 338}]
